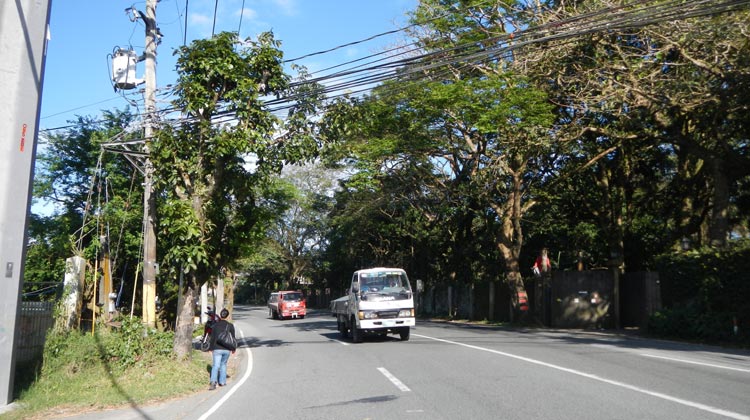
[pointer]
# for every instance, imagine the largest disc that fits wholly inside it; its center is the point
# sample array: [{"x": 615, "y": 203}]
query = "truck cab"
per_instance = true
[
  {"x": 379, "y": 301},
  {"x": 287, "y": 304}
]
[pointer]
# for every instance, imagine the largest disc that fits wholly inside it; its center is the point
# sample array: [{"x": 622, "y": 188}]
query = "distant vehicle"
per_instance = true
[
  {"x": 287, "y": 304},
  {"x": 379, "y": 301}
]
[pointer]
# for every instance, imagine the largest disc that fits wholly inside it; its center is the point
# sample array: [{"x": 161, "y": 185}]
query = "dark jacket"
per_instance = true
[{"x": 216, "y": 329}]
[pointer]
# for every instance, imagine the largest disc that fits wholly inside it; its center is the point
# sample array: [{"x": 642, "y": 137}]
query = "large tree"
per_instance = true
[
  {"x": 212, "y": 165},
  {"x": 471, "y": 145},
  {"x": 657, "y": 111},
  {"x": 300, "y": 231},
  {"x": 497, "y": 122}
]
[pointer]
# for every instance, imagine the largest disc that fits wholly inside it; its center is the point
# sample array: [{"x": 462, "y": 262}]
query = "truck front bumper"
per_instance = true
[
  {"x": 376, "y": 324},
  {"x": 294, "y": 313}
]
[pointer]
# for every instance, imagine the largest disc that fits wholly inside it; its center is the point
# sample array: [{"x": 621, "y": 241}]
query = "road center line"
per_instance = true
[
  {"x": 400, "y": 385},
  {"x": 692, "y": 362},
  {"x": 236, "y": 386},
  {"x": 704, "y": 407}
]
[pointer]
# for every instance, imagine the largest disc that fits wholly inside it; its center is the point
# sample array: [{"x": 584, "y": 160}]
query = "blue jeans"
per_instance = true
[{"x": 219, "y": 368}]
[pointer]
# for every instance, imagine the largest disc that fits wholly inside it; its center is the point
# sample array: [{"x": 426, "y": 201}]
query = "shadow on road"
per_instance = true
[{"x": 368, "y": 400}]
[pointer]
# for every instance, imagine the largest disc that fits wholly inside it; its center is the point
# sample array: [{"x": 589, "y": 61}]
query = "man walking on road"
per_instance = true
[{"x": 221, "y": 350}]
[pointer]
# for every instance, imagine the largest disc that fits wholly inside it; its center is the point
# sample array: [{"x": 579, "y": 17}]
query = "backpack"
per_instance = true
[{"x": 226, "y": 339}]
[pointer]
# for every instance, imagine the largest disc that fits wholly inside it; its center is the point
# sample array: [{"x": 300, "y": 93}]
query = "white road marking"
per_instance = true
[
  {"x": 674, "y": 359},
  {"x": 704, "y": 407},
  {"x": 400, "y": 385},
  {"x": 692, "y": 362},
  {"x": 234, "y": 387},
  {"x": 343, "y": 343}
]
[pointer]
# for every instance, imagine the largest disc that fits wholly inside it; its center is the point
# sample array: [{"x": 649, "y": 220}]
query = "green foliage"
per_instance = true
[
  {"x": 216, "y": 202},
  {"x": 703, "y": 292},
  {"x": 689, "y": 322},
  {"x": 118, "y": 348},
  {"x": 84, "y": 371},
  {"x": 75, "y": 183}
]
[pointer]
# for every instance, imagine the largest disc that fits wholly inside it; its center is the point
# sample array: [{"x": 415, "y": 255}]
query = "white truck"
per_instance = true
[{"x": 379, "y": 301}]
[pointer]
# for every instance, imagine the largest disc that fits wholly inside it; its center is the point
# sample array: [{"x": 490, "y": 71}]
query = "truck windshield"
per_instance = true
[
  {"x": 293, "y": 297},
  {"x": 384, "y": 282}
]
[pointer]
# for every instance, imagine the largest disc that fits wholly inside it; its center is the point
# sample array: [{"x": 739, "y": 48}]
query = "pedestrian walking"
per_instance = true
[{"x": 223, "y": 344}]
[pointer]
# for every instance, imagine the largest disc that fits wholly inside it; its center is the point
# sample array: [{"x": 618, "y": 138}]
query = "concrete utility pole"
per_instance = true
[
  {"x": 149, "y": 202},
  {"x": 23, "y": 41}
]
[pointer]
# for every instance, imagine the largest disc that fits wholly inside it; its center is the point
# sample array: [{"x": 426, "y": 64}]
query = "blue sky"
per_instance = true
[{"x": 85, "y": 32}]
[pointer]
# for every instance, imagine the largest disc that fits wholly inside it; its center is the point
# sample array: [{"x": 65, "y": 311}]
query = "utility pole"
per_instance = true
[
  {"x": 23, "y": 37},
  {"x": 149, "y": 201}
]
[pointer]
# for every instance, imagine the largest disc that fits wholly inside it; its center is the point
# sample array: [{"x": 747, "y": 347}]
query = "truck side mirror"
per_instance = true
[{"x": 355, "y": 288}]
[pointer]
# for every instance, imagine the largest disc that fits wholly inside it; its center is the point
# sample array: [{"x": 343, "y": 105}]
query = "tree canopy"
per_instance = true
[{"x": 612, "y": 133}]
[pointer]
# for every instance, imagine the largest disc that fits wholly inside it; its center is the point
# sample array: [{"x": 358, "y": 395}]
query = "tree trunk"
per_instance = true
[
  {"x": 219, "y": 294},
  {"x": 183, "y": 335},
  {"x": 510, "y": 241},
  {"x": 230, "y": 292},
  {"x": 512, "y": 269},
  {"x": 719, "y": 223}
]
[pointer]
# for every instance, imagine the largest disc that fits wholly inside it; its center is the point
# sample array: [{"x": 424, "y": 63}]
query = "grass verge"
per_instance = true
[{"x": 84, "y": 372}]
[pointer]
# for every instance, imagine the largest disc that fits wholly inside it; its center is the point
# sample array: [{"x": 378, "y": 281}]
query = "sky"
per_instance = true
[{"x": 84, "y": 34}]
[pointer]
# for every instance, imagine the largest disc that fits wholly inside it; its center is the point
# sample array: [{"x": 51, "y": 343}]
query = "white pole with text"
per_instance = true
[{"x": 23, "y": 42}]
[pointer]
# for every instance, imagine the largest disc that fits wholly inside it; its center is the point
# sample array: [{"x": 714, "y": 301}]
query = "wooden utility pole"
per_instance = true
[{"x": 149, "y": 202}]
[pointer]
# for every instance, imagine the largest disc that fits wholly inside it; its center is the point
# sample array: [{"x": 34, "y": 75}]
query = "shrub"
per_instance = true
[
  {"x": 118, "y": 347},
  {"x": 704, "y": 291}
]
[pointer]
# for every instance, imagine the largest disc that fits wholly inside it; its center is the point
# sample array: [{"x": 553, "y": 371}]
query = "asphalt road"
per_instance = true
[{"x": 302, "y": 369}]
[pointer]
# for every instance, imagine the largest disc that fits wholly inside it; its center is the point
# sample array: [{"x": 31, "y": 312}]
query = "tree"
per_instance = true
[
  {"x": 300, "y": 231},
  {"x": 663, "y": 100},
  {"x": 81, "y": 191},
  {"x": 496, "y": 123},
  {"x": 212, "y": 208},
  {"x": 473, "y": 141}
]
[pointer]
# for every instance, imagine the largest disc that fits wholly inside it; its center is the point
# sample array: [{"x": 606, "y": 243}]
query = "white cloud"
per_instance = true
[
  {"x": 288, "y": 7},
  {"x": 247, "y": 13},
  {"x": 199, "y": 19}
]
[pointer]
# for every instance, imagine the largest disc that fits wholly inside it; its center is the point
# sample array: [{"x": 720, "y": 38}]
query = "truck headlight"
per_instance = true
[
  {"x": 367, "y": 315},
  {"x": 405, "y": 313}
]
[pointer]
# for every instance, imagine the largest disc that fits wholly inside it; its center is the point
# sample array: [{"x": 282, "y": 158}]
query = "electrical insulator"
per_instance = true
[{"x": 123, "y": 69}]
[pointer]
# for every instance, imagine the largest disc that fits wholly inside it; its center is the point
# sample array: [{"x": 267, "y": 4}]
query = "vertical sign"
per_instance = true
[{"x": 23, "y": 36}]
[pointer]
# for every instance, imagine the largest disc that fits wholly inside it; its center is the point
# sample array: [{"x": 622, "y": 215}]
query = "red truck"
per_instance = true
[{"x": 287, "y": 304}]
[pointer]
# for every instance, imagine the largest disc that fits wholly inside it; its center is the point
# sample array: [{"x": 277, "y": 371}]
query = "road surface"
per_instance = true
[{"x": 302, "y": 369}]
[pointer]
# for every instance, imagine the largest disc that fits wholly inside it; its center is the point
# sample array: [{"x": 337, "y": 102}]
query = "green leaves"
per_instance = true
[{"x": 213, "y": 204}]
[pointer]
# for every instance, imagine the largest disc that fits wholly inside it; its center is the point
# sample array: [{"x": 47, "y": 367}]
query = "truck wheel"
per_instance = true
[
  {"x": 342, "y": 329},
  {"x": 404, "y": 333},
  {"x": 356, "y": 332}
]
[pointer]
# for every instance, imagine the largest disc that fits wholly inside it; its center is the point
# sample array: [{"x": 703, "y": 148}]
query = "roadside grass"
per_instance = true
[{"x": 85, "y": 372}]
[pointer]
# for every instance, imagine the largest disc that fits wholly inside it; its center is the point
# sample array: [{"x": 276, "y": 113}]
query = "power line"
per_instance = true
[
  {"x": 213, "y": 28},
  {"x": 242, "y": 14},
  {"x": 406, "y": 62}
]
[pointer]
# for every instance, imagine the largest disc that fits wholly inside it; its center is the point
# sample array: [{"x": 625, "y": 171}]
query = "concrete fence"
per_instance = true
[{"x": 566, "y": 299}]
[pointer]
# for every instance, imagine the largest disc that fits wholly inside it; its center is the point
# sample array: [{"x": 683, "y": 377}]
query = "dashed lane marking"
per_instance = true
[{"x": 400, "y": 385}]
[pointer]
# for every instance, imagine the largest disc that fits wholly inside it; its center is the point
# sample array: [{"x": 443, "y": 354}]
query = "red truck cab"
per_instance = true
[{"x": 287, "y": 304}]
